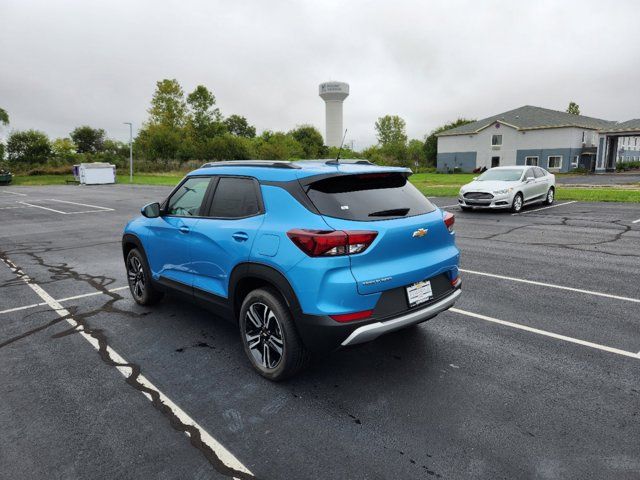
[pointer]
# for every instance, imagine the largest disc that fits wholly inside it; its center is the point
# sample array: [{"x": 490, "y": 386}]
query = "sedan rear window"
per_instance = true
[{"x": 366, "y": 197}]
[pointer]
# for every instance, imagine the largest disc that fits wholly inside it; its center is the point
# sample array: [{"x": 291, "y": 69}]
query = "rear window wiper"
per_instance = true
[{"x": 394, "y": 212}]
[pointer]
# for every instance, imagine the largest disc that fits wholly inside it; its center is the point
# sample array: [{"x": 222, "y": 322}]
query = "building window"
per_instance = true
[
  {"x": 496, "y": 140},
  {"x": 531, "y": 161},
  {"x": 555, "y": 161},
  {"x": 495, "y": 162},
  {"x": 574, "y": 164}
]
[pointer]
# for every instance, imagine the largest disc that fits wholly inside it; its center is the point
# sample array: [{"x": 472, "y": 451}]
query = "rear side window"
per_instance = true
[
  {"x": 235, "y": 198},
  {"x": 186, "y": 201},
  {"x": 539, "y": 172},
  {"x": 373, "y": 196}
]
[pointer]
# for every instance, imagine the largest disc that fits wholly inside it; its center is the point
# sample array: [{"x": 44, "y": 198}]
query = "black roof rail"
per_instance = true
[
  {"x": 349, "y": 161},
  {"x": 252, "y": 163}
]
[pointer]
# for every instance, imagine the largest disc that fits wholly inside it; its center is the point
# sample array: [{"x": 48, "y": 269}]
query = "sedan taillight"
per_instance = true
[{"x": 322, "y": 243}]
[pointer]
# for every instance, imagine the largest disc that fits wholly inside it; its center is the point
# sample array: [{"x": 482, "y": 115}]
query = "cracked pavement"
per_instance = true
[{"x": 451, "y": 398}]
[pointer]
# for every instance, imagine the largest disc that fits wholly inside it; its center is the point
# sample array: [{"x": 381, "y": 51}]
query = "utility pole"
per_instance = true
[{"x": 130, "y": 151}]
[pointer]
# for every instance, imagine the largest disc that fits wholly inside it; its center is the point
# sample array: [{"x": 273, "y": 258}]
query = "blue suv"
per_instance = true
[{"x": 305, "y": 256}]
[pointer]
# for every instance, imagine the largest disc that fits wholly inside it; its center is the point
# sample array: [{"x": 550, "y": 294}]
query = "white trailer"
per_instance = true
[{"x": 95, "y": 173}]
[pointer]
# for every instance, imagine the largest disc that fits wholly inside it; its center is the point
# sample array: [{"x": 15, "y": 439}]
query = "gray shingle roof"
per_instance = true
[
  {"x": 529, "y": 118},
  {"x": 624, "y": 126}
]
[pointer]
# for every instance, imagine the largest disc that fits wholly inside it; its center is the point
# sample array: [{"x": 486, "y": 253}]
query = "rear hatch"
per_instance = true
[{"x": 413, "y": 243}]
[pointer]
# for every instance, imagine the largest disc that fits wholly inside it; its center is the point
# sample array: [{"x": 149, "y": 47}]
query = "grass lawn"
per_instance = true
[
  {"x": 170, "y": 179},
  {"x": 430, "y": 184}
]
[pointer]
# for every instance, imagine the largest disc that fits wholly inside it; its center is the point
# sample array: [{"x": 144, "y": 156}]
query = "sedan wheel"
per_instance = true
[
  {"x": 516, "y": 206},
  {"x": 550, "y": 196}
]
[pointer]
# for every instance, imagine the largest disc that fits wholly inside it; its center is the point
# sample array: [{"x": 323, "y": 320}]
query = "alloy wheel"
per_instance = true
[
  {"x": 263, "y": 335},
  {"x": 517, "y": 203},
  {"x": 550, "y": 196},
  {"x": 135, "y": 275}
]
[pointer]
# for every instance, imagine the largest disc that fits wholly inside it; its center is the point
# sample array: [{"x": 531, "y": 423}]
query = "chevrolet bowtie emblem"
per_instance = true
[{"x": 421, "y": 232}]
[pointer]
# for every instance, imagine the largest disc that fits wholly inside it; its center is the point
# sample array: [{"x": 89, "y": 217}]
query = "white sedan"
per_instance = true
[{"x": 508, "y": 187}]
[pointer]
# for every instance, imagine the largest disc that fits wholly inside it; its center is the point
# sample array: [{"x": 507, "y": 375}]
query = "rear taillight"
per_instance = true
[
  {"x": 317, "y": 243},
  {"x": 352, "y": 317},
  {"x": 449, "y": 220}
]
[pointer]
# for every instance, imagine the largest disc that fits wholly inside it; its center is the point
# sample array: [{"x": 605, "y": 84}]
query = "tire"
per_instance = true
[
  {"x": 551, "y": 196},
  {"x": 269, "y": 336},
  {"x": 517, "y": 204},
  {"x": 465, "y": 209},
  {"x": 139, "y": 279}
]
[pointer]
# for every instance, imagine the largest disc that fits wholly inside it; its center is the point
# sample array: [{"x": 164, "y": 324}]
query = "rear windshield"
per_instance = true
[{"x": 372, "y": 196}]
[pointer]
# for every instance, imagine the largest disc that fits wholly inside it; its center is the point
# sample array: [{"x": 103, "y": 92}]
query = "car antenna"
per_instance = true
[{"x": 337, "y": 160}]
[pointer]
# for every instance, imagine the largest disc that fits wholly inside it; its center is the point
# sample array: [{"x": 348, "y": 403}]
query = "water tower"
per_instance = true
[{"x": 333, "y": 94}]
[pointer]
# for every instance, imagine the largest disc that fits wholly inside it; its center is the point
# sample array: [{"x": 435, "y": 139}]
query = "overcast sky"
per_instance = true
[{"x": 64, "y": 64}]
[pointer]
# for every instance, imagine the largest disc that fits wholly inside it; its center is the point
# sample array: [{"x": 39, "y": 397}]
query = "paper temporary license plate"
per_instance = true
[{"x": 419, "y": 293}]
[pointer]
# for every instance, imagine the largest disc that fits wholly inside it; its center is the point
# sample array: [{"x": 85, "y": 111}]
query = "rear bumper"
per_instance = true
[
  {"x": 321, "y": 333},
  {"x": 372, "y": 331}
]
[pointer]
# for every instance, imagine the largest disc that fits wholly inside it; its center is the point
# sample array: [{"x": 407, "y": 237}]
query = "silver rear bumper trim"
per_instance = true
[{"x": 374, "y": 330}]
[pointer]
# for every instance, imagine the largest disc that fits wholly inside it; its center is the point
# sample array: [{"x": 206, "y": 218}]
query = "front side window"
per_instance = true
[
  {"x": 235, "y": 198},
  {"x": 555, "y": 161},
  {"x": 496, "y": 140},
  {"x": 529, "y": 174},
  {"x": 531, "y": 161},
  {"x": 187, "y": 200}
]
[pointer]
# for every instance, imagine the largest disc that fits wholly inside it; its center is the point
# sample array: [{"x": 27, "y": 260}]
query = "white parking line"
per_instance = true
[
  {"x": 544, "y": 208},
  {"x": 95, "y": 207},
  {"x": 557, "y": 336},
  {"x": 11, "y": 208},
  {"x": 551, "y": 285},
  {"x": 40, "y": 206},
  {"x": 82, "y": 205},
  {"x": 450, "y": 206},
  {"x": 123, "y": 367},
  {"x": 14, "y": 193},
  {"x": 636, "y": 221},
  {"x": 60, "y": 300}
]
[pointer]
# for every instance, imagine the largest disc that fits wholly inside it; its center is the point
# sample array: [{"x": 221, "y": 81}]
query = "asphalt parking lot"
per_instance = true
[{"x": 534, "y": 374}]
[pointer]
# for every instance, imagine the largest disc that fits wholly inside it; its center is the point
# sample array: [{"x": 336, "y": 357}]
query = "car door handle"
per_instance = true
[
  {"x": 240, "y": 236},
  {"x": 184, "y": 229}
]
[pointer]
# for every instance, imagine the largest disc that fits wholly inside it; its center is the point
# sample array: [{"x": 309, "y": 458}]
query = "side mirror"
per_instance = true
[
  {"x": 151, "y": 210},
  {"x": 529, "y": 179}
]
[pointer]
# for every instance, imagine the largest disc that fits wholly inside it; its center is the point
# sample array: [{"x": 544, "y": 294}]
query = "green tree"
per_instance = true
[
  {"x": 238, "y": 125},
  {"x": 311, "y": 141},
  {"x": 431, "y": 140},
  {"x": 28, "y": 147},
  {"x": 278, "y": 146},
  {"x": 168, "y": 107},
  {"x": 87, "y": 139},
  {"x": 573, "y": 108},
  {"x": 64, "y": 149},
  {"x": 4, "y": 117},
  {"x": 416, "y": 156},
  {"x": 4, "y": 120},
  {"x": 157, "y": 141},
  {"x": 391, "y": 129},
  {"x": 228, "y": 147},
  {"x": 203, "y": 117}
]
